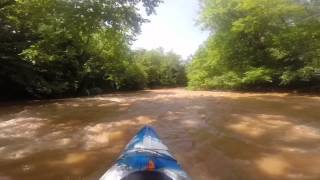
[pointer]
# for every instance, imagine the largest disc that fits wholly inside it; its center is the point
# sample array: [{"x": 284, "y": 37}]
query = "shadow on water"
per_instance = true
[{"x": 214, "y": 135}]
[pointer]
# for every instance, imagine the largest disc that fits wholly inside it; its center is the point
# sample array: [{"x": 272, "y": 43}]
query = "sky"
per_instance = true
[{"x": 173, "y": 28}]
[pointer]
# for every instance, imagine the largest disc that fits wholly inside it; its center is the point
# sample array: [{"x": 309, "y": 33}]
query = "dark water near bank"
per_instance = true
[{"x": 214, "y": 135}]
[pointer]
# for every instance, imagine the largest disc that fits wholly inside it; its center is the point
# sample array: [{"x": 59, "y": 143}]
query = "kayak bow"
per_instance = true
[{"x": 146, "y": 158}]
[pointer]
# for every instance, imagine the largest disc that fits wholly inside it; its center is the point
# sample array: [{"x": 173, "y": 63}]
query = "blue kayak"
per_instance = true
[{"x": 146, "y": 158}]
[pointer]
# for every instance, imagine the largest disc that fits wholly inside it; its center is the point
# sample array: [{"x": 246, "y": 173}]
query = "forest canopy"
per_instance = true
[
  {"x": 55, "y": 48},
  {"x": 59, "y": 48},
  {"x": 258, "y": 44}
]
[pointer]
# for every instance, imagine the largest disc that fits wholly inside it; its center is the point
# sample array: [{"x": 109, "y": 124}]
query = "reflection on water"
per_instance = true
[
  {"x": 215, "y": 135},
  {"x": 273, "y": 165}
]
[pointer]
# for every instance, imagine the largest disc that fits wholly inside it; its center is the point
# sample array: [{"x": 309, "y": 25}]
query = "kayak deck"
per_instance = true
[{"x": 144, "y": 156}]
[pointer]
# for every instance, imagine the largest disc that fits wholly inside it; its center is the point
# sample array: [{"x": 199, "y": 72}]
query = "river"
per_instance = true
[{"x": 214, "y": 135}]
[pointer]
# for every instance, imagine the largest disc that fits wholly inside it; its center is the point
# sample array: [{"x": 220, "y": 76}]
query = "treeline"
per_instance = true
[
  {"x": 58, "y": 48},
  {"x": 161, "y": 69},
  {"x": 258, "y": 44}
]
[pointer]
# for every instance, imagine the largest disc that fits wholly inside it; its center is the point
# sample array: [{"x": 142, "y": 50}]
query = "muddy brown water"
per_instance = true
[{"x": 214, "y": 135}]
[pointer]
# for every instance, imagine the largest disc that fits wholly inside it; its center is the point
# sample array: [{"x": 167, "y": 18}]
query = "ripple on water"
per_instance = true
[{"x": 215, "y": 135}]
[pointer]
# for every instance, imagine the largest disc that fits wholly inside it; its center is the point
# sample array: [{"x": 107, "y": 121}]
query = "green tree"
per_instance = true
[
  {"x": 161, "y": 69},
  {"x": 68, "y": 47},
  {"x": 257, "y": 43}
]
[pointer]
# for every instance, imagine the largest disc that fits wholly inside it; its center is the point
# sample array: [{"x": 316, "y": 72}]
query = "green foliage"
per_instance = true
[
  {"x": 257, "y": 43},
  {"x": 161, "y": 69},
  {"x": 228, "y": 80},
  {"x": 134, "y": 77},
  {"x": 257, "y": 76},
  {"x": 53, "y": 48}
]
